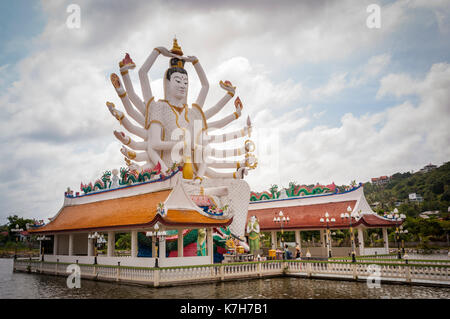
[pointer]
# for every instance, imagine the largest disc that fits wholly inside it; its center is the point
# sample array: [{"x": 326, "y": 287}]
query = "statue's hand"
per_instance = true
[
  {"x": 190, "y": 58},
  {"x": 165, "y": 52},
  {"x": 227, "y": 86},
  {"x": 115, "y": 81},
  {"x": 121, "y": 137}
]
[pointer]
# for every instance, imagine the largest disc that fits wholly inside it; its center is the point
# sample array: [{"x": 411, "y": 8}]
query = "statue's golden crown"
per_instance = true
[{"x": 176, "y": 49}]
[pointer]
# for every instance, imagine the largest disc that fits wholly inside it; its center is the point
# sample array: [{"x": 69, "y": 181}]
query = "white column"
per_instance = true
[
  {"x": 298, "y": 239},
  {"x": 209, "y": 243},
  {"x": 111, "y": 243},
  {"x": 71, "y": 244},
  {"x": 90, "y": 247},
  {"x": 162, "y": 249},
  {"x": 180, "y": 243},
  {"x": 386, "y": 239},
  {"x": 361, "y": 240},
  {"x": 273, "y": 234},
  {"x": 55, "y": 244},
  {"x": 134, "y": 248}
]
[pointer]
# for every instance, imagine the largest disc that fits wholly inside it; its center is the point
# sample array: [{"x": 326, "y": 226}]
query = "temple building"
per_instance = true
[
  {"x": 291, "y": 210},
  {"x": 155, "y": 206}
]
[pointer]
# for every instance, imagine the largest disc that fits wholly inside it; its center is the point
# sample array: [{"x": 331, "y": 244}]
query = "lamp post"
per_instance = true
[
  {"x": 395, "y": 216},
  {"x": 328, "y": 220},
  {"x": 348, "y": 216},
  {"x": 282, "y": 220},
  {"x": 16, "y": 231},
  {"x": 41, "y": 239},
  {"x": 157, "y": 237},
  {"x": 402, "y": 231},
  {"x": 99, "y": 240}
]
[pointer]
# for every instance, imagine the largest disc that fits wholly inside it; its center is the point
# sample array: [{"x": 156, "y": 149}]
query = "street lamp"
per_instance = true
[
  {"x": 42, "y": 238},
  {"x": 395, "y": 216},
  {"x": 282, "y": 220},
  {"x": 99, "y": 240},
  {"x": 157, "y": 237},
  {"x": 16, "y": 231},
  {"x": 349, "y": 215},
  {"x": 328, "y": 220},
  {"x": 402, "y": 231}
]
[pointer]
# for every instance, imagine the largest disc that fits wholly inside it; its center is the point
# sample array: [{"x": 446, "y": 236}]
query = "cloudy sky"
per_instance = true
[{"x": 330, "y": 98}]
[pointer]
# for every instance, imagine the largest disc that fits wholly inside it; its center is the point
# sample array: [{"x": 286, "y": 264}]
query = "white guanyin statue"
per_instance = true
[{"x": 171, "y": 133}]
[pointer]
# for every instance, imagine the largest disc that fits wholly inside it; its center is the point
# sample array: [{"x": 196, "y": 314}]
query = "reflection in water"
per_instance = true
[{"x": 21, "y": 285}]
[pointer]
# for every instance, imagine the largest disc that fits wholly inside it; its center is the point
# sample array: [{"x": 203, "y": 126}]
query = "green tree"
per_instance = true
[{"x": 124, "y": 241}]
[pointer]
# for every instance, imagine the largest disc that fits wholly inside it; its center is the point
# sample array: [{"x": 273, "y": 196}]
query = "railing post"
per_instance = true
[
  {"x": 308, "y": 269},
  {"x": 56, "y": 267},
  {"x": 355, "y": 276},
  {"x": 118, "y": 271},
  {"x": 156, "y": 281},
  {"x": 259, "y": 270},
  {"x": 222, "y": 273},
  {"x": 408, "y": 274}
]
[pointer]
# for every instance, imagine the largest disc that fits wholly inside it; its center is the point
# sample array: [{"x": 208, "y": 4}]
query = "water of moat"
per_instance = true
[{"x": 22, "y": 285}]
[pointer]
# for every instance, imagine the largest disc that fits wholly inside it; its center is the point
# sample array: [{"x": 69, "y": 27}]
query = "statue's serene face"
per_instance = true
[
  {"x": 253, "y": 219},
  {"x": 178, "y": 85}
]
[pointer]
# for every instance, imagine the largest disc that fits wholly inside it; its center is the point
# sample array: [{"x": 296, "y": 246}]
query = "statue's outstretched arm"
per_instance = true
[
  {"x": 138, "y": 117},
  {"x": 219, "y": 138},
  {"x": 133, "y": 129},
  {"x": 239, "y": 174},
  {"x": 206, "y": 159},
  {"x": 203, "y": 80},
  {"x": 156, "y": 140},
  {"x": 227, "y": 86},
  {"x": 143, "y": 74},
  {"x": 213, "y": 152},
  {"x": 126, "y": 140},
  {"x": 228, "y": 119},
  {"x": 232, "y": 164},
  {"x": 125, "y": 65},
  {"x": 132, "y": 155}
]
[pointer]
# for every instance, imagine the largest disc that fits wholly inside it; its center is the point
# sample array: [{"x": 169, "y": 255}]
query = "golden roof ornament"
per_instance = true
[{"x": 176, "y": 49}]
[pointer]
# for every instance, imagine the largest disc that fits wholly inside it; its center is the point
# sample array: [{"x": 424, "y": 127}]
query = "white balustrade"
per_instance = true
[{"x": 429, "y": 272}]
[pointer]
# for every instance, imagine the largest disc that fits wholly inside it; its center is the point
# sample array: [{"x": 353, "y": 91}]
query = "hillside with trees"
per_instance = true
[{"x": 433, "y": 186}]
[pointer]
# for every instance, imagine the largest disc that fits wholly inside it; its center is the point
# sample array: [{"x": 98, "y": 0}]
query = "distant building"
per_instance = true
[
  {"x": 427, "y": 214},
  {"x": 382, "y": 180},
  {"x": 428, "y": 168},
  {"x": 413, "y": 197},
  {"x": 397, "y": 204}
]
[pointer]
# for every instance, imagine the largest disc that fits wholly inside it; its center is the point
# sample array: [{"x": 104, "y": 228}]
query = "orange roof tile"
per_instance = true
[{"x": 133, "y": 211}]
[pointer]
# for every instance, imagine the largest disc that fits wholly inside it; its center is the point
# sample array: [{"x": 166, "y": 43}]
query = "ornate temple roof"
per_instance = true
[
  {"x": 305, "y": 212},
  {"x": 137, "y": 211}
]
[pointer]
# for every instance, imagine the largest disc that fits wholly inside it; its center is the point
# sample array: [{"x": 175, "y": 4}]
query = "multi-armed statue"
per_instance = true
[
  {"x": 162, "y": 123},
  {"x": 174, "y": 134}
]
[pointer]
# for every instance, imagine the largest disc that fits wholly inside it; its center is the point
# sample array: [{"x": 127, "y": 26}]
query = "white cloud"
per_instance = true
[{"x": 401, "y": 138}]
